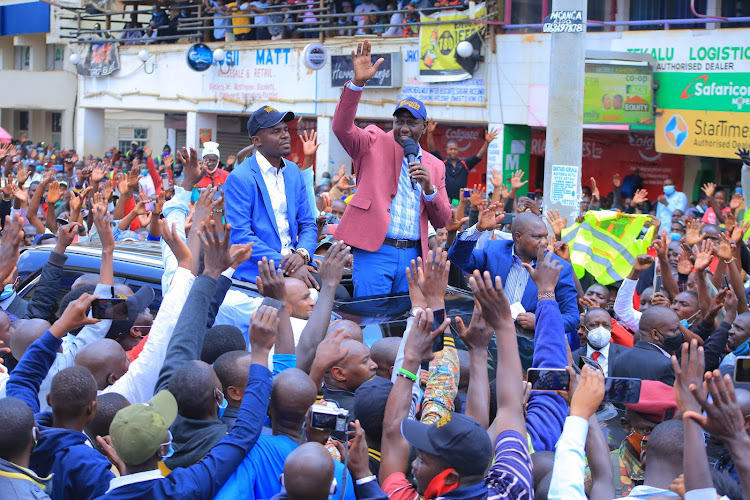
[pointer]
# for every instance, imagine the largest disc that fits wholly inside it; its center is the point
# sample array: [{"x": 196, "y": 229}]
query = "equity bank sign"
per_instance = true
[{"x": 716, "y": 134}]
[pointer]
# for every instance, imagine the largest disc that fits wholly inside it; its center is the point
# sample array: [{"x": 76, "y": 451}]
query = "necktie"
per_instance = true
[{"x": 596, "y": 355}]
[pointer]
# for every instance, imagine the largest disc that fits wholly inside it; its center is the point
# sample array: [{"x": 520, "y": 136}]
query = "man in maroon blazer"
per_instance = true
[{"x": 386, "y": 220}]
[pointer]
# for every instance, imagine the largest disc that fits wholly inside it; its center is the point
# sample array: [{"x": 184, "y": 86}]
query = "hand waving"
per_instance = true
[
  {"x": 546, "y": 273},
  {"x": 362, "y": 62}
]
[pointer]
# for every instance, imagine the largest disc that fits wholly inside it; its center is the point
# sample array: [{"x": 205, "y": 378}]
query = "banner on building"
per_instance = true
[
  {"x": 99, "y": 59},
  {"x": 618, "y": 94},
  {"x": 437, "y": 43},
  {"x": 708, "y": 91},
  {"x": 606, "y": 244},
  {"x": 715, "y": 134}
]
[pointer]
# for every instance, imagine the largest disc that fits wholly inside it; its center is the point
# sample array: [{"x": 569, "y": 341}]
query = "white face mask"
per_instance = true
[{"x": 599, "y": 337}]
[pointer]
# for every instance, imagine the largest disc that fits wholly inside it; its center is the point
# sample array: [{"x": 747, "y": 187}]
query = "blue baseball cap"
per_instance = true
[
  {"x": 266, "y": 117},
  {"x": 414, "y": 106}
]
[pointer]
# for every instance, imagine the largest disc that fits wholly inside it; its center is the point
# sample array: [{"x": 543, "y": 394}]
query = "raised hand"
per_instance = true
[
  {"x": 477, "y": 195},
  {"x": 98, "y": 172},
  {"x": 490, "y": 218},
  {"x": 418, "y": 346},
  {"x": 217, "y": 258},
  {"x": 65, "y": 236},
  {"x": 693, "y": 234},
  {"x": 730, "y": 223},
  {"x": 556, "y": 222},
  {"x": 739, "y": 231},
  {"x": 724, "y": 248},
  {"x": 684, "y": 265},
  {"x": 74, "y": 316},
  {"x": 703, "y": 255},
  {"x": 724, "y": 418},
  {"x": 11, "y": 243},
  {"x": 515, "y": 180},
  {"x": 329, "y": 352},
  {"x": 167, "y": 161},
  {"x": 331, "y": 269},
  {"x": 496, "y": 179},
  {"x": 345, "y": 182},
  {"x": 736, "y": 201},
  {"x": 589, "y": 393},
  {"x": 270, "y": 280},
  {"x": 562, "y": 250},
  {"x": 192, "y": 171},
  {"x": 310, "y": 142},
  {"x": 479, "y": 334},
  {"x": 643, "y": 262},
  {"x": 546, "y": 273},
  {"x": 431, "y": 126},
  {"x": 20, "y": 193},
  {"x": 178, "y": 246},
  {"x": 263, "y": 329},
  {"x": 205, "y": 206},
  {"x": 709, "y": 188},
  {"x": 54, "y": 193},
  {"x": 23, "y": 175},
  {"x": 639, "y": 197},
  {"x": 432, "y": 277},
  {"x": 415, "y": 293},
  {"x": 455, "y": 224},
  {"x": 492, "y": 299},
  {"x": 688, "y": 371},
  {"x": 659, "y": 299},
  {"x": 147, "y": 151},
  {"x": 594, "y": 190},
  {"x": 362, "y": 62},
  {"x": 744, "y": 155},
  {"x": 490, "y": 135}
]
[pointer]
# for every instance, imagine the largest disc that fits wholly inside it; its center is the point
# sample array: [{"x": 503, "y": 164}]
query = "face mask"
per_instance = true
[
  {"x": 223, "y": 406},
  {"x": 668, "y": 190},
  {"x": 738, "y": 191},
  {"x": 675, "y": 236},
  {"x": 144, "y": 171},
  {"x": 7, "y": 291},
  {"x": 39, "y": 168},
  {"x": 673, "y": 344},
  {"x": 637, "y": 441},
  {"x": 599, "y": 337},
  {"x": 195, "y": 195},
  {"x": 686, "y": 322},
  {"x": 437, "y": 486},
  {"x": 171, "y": 449}
]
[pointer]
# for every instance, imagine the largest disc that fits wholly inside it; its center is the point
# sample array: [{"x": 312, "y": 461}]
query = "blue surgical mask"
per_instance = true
[
  {"x": 223, "y": 406},
  {"x": 668, "y": 190},
  {"x": 7, "y": 291},
  {"x": 686, "y": 322},
  {"x": 39, "y": 168},
  {"x": 675, "y": 236},
  {"x": 144, "y": 171},
  {"x": 171, "y": 448},
  {"x": 195, "y": 195}
]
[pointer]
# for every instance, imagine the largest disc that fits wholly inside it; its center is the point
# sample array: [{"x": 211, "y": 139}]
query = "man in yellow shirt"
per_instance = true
[{"x": 239, "y": 19}]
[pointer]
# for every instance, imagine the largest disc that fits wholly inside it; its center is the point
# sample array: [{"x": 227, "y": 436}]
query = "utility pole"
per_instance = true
[{"x": 562, "y": 161}]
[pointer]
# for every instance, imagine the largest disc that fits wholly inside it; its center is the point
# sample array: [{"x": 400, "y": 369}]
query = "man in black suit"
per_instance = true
[
  {"x": 596, "y": 340},
  {"x": 649, "y": 359}
]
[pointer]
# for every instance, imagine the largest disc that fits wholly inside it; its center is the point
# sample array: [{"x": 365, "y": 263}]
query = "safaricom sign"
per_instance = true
[{"x": 704, "y": 91}]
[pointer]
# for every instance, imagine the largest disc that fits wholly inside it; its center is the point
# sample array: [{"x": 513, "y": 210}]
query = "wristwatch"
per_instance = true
[{"x": 304, "y": 254}]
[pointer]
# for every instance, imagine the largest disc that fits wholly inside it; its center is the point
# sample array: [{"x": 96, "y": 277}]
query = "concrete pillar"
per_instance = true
[
  {"x": 197, "y": 122},
  {"x": 90, "y": 131},
  {"x": 172, "y": 139},
  {"x": 66, "y": 137},
  {"x": 39, "y": 129}
]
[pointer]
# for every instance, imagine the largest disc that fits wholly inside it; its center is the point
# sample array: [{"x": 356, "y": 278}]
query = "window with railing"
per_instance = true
[{"x": 646, "y": 10}]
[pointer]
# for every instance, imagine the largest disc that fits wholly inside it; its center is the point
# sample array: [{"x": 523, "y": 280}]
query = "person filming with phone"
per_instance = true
[{"x": 399, "y": 187}]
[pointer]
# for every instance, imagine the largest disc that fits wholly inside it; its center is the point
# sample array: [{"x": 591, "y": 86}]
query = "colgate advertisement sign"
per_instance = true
[
  {"x": 469, "y": 139},
  {"x": 605, "y": 155}
]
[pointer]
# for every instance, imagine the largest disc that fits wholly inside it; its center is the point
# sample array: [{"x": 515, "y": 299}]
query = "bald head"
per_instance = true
[
  {"x": 743, "y": 400},
  {"x": 350, "y": 327},
  {"x": 355, "y": 369},
  {"x": 529, "y": 233},
  {"x": 526, "y": 221},
  {"x": 25, "y": 333},
  {"x": 657, "y": 318},
  {"x": 293, "y": 393},
  {"x": 85, "y": 279},
  {"x": 299, "y": 302},
  {"x": 16, "y": 440},
  {"x": 308, "y": 472},
  {"x": 106, "y": 360},
  {"x": 384, "y": 352}
]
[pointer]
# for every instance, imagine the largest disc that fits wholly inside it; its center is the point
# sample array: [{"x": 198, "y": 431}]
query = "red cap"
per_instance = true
[{"x": 656, "y": 403}]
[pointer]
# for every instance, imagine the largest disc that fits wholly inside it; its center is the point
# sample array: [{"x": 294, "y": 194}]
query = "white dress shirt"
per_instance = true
[
  {"x": 568, "y": 473},
  {"x": 603, "y": 358},
  {"x": 274, "y": 179},
  {"x": 624, "y": 310}
]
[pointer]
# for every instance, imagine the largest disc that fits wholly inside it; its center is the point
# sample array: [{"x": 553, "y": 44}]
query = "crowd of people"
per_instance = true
[
  {"x": 221, "y": 394},
  {"x": 281, "y": 19}
]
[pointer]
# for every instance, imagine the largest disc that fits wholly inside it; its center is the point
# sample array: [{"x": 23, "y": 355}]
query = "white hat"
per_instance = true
[{"x": 210, "y": 148}]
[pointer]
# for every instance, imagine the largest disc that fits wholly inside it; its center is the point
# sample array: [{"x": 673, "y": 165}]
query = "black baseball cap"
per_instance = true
[
  {"x": 456, "y": 438},
  {"x": 266, "y": 117},
  {"x": 137, "y": 303},
  {"x": 370, "y": 399}
]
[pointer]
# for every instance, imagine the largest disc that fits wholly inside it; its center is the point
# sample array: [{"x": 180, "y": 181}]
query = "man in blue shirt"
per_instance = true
[
  {"x": 668, "y": 202},
  {"x": 257, "y": 477}
]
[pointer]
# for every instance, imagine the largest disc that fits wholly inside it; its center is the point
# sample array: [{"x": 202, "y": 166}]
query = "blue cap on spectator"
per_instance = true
[
  {"x": 414, "y": 106},
  {"x": 266, "y": 117}
]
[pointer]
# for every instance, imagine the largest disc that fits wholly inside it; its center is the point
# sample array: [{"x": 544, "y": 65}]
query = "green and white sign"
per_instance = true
[
  {"x": 704, "y": 91},
  {"x": 617, "y": 94}
]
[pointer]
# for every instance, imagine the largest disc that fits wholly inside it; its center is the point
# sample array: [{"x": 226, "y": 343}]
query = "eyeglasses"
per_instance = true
[{"x": 169, "y": 433}]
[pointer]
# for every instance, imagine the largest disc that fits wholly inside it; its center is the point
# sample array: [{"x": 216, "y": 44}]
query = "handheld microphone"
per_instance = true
[{"x": 410, "y": 152}]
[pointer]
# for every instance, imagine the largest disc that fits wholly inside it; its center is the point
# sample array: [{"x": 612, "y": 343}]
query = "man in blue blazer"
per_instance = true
[
  {"x": 266, "y": 201},
  {"x": 504, "y": 258}
]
